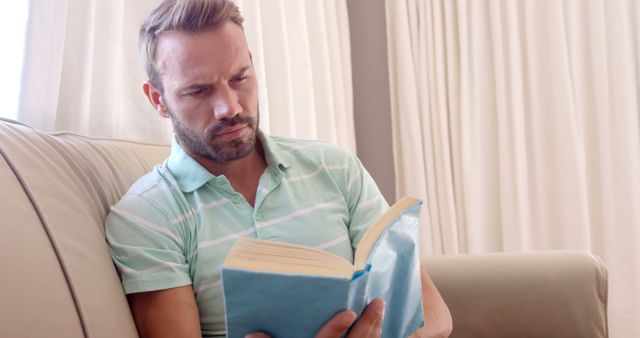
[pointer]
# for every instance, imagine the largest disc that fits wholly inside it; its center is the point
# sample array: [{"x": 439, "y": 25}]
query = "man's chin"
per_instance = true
[
  {"x": 232, "y": 151},
  {"x": 228, "y": 155}
]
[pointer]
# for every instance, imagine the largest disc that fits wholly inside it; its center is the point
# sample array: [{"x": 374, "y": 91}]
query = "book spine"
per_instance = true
[
  {"x": 395, "y": 276},
  {"x": 358, "y": 300}
]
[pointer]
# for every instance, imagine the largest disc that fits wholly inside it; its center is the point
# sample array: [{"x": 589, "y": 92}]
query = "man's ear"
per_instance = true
[{"x": 155, "y": 98}]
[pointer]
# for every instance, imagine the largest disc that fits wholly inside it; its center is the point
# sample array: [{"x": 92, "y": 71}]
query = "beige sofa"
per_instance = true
[{"x": 58, "y": 279}]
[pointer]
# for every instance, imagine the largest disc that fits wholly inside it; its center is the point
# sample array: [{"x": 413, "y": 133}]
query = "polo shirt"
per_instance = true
[{"x": 176, "y": 224}]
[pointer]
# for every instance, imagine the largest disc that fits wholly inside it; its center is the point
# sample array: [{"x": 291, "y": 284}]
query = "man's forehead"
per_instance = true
[{"x": 218, "y": 52}]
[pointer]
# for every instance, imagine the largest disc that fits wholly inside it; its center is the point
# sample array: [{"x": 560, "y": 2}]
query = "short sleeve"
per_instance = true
[
  {"x": 365, "y": 201},
  {"x": 147, "y": 249}
]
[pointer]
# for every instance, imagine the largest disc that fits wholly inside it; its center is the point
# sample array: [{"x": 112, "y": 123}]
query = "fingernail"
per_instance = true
[
  {"x": 347, "y": 320},
  {"x": 380, "y": 308}
]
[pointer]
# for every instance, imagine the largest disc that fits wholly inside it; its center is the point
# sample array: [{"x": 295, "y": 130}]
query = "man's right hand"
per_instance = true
[{"x": 368, "y": 326}]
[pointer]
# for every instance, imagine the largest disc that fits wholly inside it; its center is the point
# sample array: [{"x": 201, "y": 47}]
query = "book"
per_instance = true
[{"x": 288, "y": 290}]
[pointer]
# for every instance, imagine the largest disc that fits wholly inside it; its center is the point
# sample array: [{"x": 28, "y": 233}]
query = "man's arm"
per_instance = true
[
  {"x": 437, "y": 318},
  {"x": 166, "y": 313}
]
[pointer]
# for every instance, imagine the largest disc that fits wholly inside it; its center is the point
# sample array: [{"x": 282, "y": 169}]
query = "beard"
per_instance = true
[{"x": 219, "y": 151}]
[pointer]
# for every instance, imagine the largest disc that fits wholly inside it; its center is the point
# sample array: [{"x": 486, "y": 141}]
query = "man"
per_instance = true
[{"x": 225, "y": 179}]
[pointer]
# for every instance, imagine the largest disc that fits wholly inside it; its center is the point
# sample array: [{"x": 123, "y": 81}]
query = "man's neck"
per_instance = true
[{"x": 243, "y": 174}]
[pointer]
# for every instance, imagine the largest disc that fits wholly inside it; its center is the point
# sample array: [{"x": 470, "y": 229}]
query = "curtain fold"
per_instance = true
[
  {"x": 83, "y": 73},
  {"x": 518, "y": 122},
  {"x": 303, "y": 49}
]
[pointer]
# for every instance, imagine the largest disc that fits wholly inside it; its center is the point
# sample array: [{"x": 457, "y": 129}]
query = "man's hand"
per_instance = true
[{"x": 368, "y": 326}]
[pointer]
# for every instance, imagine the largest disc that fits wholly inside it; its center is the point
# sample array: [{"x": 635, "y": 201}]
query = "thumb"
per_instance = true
[
  {"x": 337, "y": 325},
  {"x": 257, "y": 335}
]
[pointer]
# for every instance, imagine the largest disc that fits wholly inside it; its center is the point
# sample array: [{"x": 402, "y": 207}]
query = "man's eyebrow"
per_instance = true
[
  {"x": 194, "y": 86},
  {"x": 197, "y": 85}
]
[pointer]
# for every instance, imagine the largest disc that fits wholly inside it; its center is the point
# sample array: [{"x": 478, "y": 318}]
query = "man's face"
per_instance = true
[{"x": 210, "y": 91}]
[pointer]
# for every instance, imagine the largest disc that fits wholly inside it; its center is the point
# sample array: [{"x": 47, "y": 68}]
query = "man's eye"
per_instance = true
[
  {"x": 196, "y": 92},
  {"x": 239, "y": 79}
]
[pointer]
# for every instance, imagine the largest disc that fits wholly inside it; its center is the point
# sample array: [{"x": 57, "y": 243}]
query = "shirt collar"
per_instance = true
[
  {"x": 190, "y": 175},
  {"x": 277, "y": 158}
]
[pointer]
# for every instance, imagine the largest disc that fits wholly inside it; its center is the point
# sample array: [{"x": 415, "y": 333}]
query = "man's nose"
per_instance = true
[{"x": 225, "y": 104}]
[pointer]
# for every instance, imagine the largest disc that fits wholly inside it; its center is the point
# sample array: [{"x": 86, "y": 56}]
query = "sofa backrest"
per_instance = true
[
  {"x": 524, "y": 294},
  {"x": 58, "y": 279}
]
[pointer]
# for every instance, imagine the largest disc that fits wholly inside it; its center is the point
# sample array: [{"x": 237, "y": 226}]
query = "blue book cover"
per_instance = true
[{"x": 289, "y": 290}]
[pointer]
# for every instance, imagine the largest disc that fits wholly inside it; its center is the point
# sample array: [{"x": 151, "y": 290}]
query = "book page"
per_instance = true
[
  {"x": 268, "y": 256},
  {"x": 372, "y": 234}
]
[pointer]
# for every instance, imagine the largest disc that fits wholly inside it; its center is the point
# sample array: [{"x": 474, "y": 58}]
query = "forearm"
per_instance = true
[{"x": 437, "y": 318}]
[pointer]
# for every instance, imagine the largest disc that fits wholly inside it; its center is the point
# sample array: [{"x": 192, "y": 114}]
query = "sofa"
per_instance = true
[{"x": 58, "y": 280}]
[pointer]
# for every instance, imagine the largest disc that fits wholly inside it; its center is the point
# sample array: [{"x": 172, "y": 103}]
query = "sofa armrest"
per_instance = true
[{"x": 536, "y": 294}]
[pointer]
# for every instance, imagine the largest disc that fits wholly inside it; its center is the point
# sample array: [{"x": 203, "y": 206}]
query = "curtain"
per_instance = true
[
  {"x": 519, "y": 123},
  {"x": 301, "y": 50},
  {"x": 83, "y": 72}
]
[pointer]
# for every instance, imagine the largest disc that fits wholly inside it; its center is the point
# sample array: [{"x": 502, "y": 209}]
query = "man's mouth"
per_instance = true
[{"x": 232, "y": 132}]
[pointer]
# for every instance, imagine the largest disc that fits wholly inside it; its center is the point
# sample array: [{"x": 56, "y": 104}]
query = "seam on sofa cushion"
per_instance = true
[
  {"x": 92, "y": 138},
  {"x": 7, "y": 120},
  {"x": 47, "y": 231},
  {"x": 603, "y": 293}
]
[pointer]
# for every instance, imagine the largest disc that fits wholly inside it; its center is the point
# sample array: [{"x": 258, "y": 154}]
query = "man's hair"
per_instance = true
[{"x": 181, "y": 15}]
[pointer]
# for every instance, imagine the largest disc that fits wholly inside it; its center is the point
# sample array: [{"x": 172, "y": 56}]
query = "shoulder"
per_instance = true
[
  {"x": 157, "y": 189},
  {"x": 312, "y": 150},
  {"x": 158, "y": 178}
]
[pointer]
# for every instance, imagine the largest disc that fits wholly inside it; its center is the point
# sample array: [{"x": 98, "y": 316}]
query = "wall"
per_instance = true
[{"x": 371, "y": 91}]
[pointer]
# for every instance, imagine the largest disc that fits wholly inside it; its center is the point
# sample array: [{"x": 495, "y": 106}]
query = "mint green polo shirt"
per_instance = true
[{"x": 175, "y": 225}]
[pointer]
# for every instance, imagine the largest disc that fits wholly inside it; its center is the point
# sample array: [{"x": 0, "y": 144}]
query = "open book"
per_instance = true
[{"x": 290, "y": 290}]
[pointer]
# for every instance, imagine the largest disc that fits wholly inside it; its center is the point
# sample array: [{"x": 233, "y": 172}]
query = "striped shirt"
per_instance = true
[{"x": 175, "y": 225}]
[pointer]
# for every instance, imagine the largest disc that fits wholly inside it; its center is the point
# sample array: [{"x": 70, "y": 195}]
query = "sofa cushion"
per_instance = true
[
  {"x": 33, "y": 287},
  {"x": 61, "y": 187}
]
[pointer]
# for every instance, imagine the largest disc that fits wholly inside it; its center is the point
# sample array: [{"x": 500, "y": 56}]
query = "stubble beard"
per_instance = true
[{"x": 208, "y": 148}]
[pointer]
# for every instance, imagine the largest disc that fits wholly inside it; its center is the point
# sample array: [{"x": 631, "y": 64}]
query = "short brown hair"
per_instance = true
[{"x": 181, "y": 15}]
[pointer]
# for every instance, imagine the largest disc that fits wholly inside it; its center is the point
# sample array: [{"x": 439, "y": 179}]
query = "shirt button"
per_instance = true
[
  {"x": 220, "y": 181},
  {"x": 236, "y": 199},
  {"x": 258, "y": 217}
]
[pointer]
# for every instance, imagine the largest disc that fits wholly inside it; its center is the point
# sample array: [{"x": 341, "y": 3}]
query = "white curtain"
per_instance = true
[
  {"x": 301, "y": 49},
  {"x": 519, "y": 123},
  {"x": 83, "y": 73}
]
